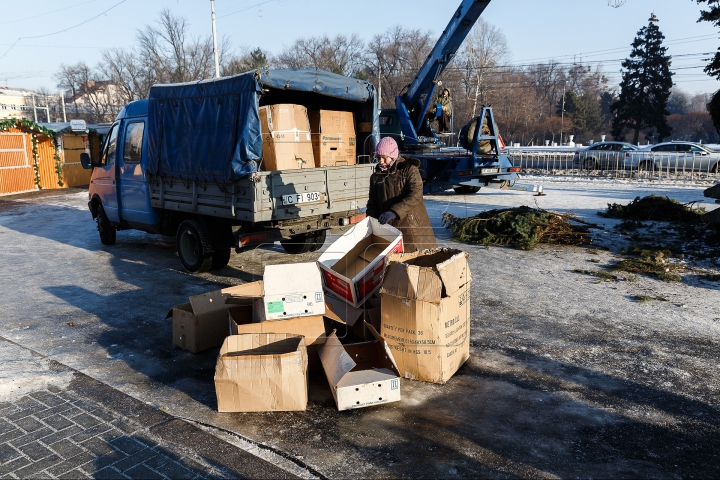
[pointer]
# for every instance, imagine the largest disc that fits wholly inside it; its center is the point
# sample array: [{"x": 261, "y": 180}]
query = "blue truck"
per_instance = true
[
  {"x": 187, "y": 162},
  {"x": 478, "y": 160}
]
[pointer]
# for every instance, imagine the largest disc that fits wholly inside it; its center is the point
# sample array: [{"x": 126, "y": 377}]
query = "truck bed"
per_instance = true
[{"x": 259, "y": 197}]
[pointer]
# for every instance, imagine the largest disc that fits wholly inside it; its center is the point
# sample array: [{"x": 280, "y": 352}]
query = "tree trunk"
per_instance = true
[{"x": 637, "y": 135}]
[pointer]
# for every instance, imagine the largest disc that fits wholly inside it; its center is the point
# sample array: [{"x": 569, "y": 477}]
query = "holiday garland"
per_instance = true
[{"x": 34, "y": 129}]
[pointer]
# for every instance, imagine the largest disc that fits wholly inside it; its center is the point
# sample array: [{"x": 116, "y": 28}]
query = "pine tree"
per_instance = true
[
  {"x": 712, "y": 15},
  {"x": 645, "y": 86}
]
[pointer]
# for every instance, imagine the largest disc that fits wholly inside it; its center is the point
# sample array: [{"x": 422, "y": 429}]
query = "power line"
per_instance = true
[
  {"x": 246, "y": 8},
  {"x": 47, "y": 13},
  {"x": 63, "y": 30}
]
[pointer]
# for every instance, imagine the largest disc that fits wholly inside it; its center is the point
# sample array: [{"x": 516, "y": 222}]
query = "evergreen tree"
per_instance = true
[
  {"x": 712, "y": 15},
  {"x": 584, "y": 114},
  {"x": 645, "y": 86}
]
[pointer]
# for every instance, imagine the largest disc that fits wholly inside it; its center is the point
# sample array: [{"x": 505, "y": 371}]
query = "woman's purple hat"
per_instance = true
[{"x": 387, "y": 147}]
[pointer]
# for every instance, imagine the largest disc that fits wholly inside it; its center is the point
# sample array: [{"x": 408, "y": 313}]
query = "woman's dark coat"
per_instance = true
[{"x": 401, "y": 190}]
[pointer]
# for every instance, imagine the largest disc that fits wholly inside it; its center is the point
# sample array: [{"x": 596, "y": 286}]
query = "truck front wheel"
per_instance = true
[
  {"x": 194, "y": 247},
  {"x": 466, "y": 189},
  {"x": 107, "y": 232}
]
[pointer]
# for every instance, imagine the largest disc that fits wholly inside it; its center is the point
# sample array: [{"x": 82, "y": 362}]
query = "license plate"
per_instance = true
[
  {"x": 307, "y": 197},
  {"x": 489, "y": 170}
]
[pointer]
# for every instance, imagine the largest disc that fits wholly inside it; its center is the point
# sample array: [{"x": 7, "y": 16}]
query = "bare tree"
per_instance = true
[{"x": 341, "y": 55}]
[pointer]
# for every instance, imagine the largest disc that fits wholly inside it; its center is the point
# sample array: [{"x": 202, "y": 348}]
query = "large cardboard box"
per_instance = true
[
  {"x": 353, "y": 265},
  {"x": 425, "y": 312},
  {"x": 262, "y": 372},
  {"x": 333, "y": 138},
  {"x": 202, "y": 323},
  {"x": 292, "y": 290},
  {"x": 287, "y": 142},
  {"x": 360, "y": 374},
  {"x": 313, "y": 328}
]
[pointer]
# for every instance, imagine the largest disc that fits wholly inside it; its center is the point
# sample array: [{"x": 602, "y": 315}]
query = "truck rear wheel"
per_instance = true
[
  {"x": 107, "y": 232},
  {"x": 194, "y": 247},
  {"x": 466, "y": 189},
  {"x": 303, "y": 243}
]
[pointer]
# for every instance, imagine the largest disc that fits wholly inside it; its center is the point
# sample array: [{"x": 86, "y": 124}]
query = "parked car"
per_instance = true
[
  {"x": 675, "y": 156},
  {"x": 603, "y": 155}
]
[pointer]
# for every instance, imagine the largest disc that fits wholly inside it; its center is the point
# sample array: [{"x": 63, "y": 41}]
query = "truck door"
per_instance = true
[
  {"x": 104, "y": 176},
  {"x": 134, "y": 196}
]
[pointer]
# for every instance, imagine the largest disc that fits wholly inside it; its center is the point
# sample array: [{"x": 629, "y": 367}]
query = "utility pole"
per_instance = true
[
  {"x": 562, "y": 115},
  {"x": 214, "y": 32},
  {"x": 34, "y": 109},
  {"x": 62, "y": 101},
  {"x": 380, "y": 87}
]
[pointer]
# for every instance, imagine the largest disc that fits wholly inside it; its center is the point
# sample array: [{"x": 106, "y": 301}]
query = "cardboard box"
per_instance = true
[
  {"x": 360, "y": 374},
  {"x": 287, "y": 291},
  {"x": 262, "y": 372},
  {"x": 353, "y": 265},
  {"x": 202, "y": 323},
  {"x": 287, "y": 142},
  {"x": 333, "y": 138},
  {"x": 314, "y": 329},
  {"x": 425, "y": 312}
]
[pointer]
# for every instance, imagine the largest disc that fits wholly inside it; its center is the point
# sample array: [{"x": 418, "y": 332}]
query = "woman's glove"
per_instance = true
[{"x": 386, "y": 217}]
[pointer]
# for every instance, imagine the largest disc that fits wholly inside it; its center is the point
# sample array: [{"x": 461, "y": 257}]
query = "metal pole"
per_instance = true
[
  {"x": 214, "y": 31},
  {"x": 562, "y": 116},
  {"x": 380, "y": 87},
  {"x": 62, "y": 100},
  {"x": 34, "y": 109}
]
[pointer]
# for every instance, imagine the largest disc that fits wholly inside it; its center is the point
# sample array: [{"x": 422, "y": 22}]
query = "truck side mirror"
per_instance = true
[{"x": 85, "y": 161}]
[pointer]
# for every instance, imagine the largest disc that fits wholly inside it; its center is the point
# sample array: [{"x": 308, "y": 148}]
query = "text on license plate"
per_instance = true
[
  {"x": 306, "y": 197},
  {"x": 489, "y": 170}
]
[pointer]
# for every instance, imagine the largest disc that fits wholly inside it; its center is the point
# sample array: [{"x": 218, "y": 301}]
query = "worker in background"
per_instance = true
[
  {"x": 444, "y": 117},
  {"x": 396, "y": 197}
]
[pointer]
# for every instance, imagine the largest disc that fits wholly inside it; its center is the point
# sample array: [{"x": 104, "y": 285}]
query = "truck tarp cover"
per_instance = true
[{"x": 210, "y": 130}]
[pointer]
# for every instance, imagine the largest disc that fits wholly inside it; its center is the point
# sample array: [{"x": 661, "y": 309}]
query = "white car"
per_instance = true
[{"x": 675, "y": 156}]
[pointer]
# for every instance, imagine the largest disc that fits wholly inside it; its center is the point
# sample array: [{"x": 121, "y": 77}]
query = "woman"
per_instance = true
[{"x": 396, "y": 197}]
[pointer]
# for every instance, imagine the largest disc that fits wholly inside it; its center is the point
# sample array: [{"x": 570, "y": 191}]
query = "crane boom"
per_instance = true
[{"x": 445, "y": 49}]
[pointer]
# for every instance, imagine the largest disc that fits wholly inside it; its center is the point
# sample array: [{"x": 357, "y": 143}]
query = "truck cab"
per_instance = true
[{"x": 119, "y": 196}]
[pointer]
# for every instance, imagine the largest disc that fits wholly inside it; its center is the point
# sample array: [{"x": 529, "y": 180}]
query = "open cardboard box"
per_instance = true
[
  {"x": 262, "y": 372},
  {"x": 360, "y": 374},
  {"x": 353, "y": 265},
  {"x": 425, "y": 312},
  {"x": 355, "y": 318},
  {"x": 201, "y": 324}
]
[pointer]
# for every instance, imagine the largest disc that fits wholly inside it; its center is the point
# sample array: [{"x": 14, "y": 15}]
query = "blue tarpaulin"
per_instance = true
[{"x": 210, "y": 130}]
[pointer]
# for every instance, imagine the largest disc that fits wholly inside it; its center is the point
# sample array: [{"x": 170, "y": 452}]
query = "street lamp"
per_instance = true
[
  {"x": 562, "y": 115},
  {"x": 217, "y": 59}
]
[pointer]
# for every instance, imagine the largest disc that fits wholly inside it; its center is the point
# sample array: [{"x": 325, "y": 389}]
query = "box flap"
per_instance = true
[
  {"x": 343, "y": 310},
  {"x": 335, "y": 360},
  {"x": 291, "y": 278},
  {"x": 211, "y": 301},
  {"x": 385, "y": 347},
  {"x": 362, "y": 377},
  {"x": 454, "y": 272},
  {"x": 412, "y": 282}
]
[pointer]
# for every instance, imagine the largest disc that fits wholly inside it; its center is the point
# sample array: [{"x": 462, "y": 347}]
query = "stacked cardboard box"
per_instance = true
[
  {"x": 333, "y": 138},
  {"x": 287, "y": 142},
  {"x": 425, "y": 312}
]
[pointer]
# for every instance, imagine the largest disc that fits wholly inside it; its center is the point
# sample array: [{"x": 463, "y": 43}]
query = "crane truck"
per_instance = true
[{"x": 479, "y": 160}]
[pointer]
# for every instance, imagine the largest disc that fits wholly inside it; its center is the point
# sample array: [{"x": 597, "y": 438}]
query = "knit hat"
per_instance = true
[{"x": 387, "y": 147}]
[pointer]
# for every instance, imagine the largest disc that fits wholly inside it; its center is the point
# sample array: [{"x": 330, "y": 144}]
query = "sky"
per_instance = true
[{"x": 35, "y": 41}]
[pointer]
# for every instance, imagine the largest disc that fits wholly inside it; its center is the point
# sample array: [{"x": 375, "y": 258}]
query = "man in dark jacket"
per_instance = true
[{"x": 396, "y": 197}]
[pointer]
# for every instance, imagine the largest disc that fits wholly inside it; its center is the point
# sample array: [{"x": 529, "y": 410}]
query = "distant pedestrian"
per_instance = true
[{"x": 396, "y": 197}]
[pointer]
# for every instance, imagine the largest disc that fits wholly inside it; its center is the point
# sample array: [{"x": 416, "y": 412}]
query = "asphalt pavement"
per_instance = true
[{"x": 605, "y": 387}]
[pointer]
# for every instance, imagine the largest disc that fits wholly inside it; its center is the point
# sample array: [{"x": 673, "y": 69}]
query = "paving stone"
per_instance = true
[
  {"x": 91, "y": 432},
  {"x": 4, "y": 405},
  {"x": 128, "y": 445},
  {"x": 48, "y": 399},
  {"x": 57, "y": 422},
  {"x": 8, "y": 453},
  {"x": 14, "y": 465},
  {"x": 109, "y": 473},
  {"x": 86, "y": 405},
  {"x": 29, "y": 437},
  {"x": 24, "y": 412},
  {"x": 175, "y": 470},
  {"x": 70, "y": 412},
  {"x": 110, "y": 434},
  {"x": 38, "y": 466},
  {"x": 74, "y": 474},
  {"x": 125, "y": 426},
  {"x": 5, "y": 426},
  {"x": 71, "y": 463},
  {"x": 141, "y": 471},
  {"x": 66, "y": 449},
  {"x": 86, "y": 420},
  {"x": 104, "y": 414},
  {"x": 35, "y": 450},
  {"x": 100, "y": 448},
  {"x": 7, "y": 436},
  {"x": 29, "y": 424},
  {"x": 66, "y": 433},
  {"x": 63, "y": 407},
  {"x": 135, "y": 459},
  {"x": 54, "y": 389}
]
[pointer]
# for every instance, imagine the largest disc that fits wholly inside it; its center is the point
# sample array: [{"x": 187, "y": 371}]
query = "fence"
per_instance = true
[{"x": 687, "y": 167}]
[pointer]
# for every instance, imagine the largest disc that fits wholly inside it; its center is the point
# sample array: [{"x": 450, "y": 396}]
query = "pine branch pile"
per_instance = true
[
  {"x": 521, "y": 227},
  {"x": 654, "y": 207}
]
